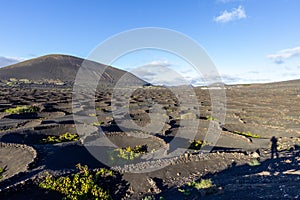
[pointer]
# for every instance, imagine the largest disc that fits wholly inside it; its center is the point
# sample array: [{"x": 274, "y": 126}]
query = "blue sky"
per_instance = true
[{"x": 248, "y": 40}]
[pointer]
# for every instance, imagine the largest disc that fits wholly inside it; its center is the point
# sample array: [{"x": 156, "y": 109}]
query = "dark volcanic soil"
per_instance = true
[{"x": 239, "y": 165}]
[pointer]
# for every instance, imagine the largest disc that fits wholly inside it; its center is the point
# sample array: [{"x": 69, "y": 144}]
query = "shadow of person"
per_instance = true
[{"x": 274, "y": 145}]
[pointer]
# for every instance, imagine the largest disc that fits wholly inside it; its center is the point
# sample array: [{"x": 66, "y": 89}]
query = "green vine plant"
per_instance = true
[
  {"x": 99, "y": 123},
  {"x": 197, "y": 144},
  {"x": 248, "y": 134},
  {"x": 66, "y": 137},
  {"x": 253, "y": 163},
  {"x": 210, "y": 118},
  {"x": 202, "y": 184},
  {"x": 80, "y": 186},
  {"x": 205, "y": 185},
  {"x": 128, "y": 153},
  {"x": 22, "y": 109},
  {"x": 2, "y": 170}
]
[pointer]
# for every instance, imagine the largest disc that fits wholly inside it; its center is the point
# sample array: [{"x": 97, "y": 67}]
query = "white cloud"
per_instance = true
[
  {"x": 159, "y": 72},
  {"x": 5, "y": 61},
  {"x": 235, "y": 14},
  {"x": 162, "y": 72},
  {"x": 164, "y": 63},
  {"x": 284, "y": 54}
]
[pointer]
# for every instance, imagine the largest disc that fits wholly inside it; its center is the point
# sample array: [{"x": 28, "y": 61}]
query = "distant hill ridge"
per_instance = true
[{"x": 60, "y": 67}]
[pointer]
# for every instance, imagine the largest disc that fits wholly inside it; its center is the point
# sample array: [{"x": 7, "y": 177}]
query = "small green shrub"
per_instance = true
[
  {"x": 197, "y": 144},
  {"x": 130, "y": 153},
  {"x": 13, "y": 80},
  {"x": 248, "y": 134},
  {"x": 2, "y": 170},
  {"x": 254, "y": 162},
  {"x": 10, "y": 84},
  {"x": 66, "y": 137},
  {"x": 202, "y": 184},
  {"x": 80, "y": 186},
  {"x": 99, "y": 123},
  {"x": 151, "y": 197},
  {"x": 210, "y": 118},
  {"x": 22, "y": 109},
  {"x": 185, "y": 192},
  {"x": 26, "y": 81}
]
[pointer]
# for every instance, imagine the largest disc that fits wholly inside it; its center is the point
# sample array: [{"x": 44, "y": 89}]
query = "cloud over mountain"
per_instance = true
[
  {"x": 5, "y": 61},
  {"x": 159, "y": 72}
]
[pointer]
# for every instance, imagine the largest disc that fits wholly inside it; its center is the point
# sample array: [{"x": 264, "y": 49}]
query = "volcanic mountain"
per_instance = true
[{"x": 62, "y": 68}]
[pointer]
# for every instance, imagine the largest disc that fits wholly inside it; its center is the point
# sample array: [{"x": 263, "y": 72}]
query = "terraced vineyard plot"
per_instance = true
[{"x": 33, "y": 145}]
